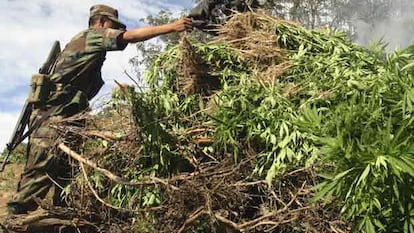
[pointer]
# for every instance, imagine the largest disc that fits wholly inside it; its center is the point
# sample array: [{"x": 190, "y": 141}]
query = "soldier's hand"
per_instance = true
[{"x": 183, "y": 24}]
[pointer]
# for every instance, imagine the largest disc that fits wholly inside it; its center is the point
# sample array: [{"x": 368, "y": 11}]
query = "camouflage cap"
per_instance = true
[{"x": 112, "y": 14}]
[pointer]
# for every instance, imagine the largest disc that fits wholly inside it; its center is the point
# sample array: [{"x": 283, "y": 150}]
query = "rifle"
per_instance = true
[
  {"x": 19, "y": 133},
  {"x": 207, "y": 15}
]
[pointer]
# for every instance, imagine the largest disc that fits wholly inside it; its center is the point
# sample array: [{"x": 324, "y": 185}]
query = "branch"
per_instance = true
[
  {"x": 194, "y": 216},
  {"x": 253, "y": 183},
  {"x": 110, "y": 175},
  {"x": 107, "y": 135},
  {"x": 226, "y": 221},
  {"x": 85, "y": 176},
  {"x": 257, "y": 221}
]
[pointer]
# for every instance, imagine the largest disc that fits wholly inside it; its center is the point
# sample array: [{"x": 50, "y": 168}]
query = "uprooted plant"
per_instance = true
[{"x": 271, "y": 127}]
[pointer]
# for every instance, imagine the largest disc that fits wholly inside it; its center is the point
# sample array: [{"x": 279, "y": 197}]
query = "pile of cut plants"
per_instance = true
[{"x": 270, "y": 127}]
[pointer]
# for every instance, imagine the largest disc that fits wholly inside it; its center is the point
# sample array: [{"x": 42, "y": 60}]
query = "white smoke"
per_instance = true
[{"x": 396, "y": 28}]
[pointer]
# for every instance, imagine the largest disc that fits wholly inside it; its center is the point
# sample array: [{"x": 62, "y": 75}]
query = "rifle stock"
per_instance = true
[{"x": 49, "y": 65}]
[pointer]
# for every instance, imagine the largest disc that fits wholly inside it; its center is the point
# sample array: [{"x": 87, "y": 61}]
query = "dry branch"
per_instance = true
[
  {"x": 85, "y": 176},
  {"x": 110, "y": 175},
  {"x": 107, "y": 135},
  {"x": 193, "y": 217}
]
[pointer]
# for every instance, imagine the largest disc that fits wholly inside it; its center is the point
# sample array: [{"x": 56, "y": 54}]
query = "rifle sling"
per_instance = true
[{"x": 37, "y": 124}]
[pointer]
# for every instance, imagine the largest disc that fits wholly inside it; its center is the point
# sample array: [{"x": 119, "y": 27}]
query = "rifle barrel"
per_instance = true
[{"x": 16, "y": 137}]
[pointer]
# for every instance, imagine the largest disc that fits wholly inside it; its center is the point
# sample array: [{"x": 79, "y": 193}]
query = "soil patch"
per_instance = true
[{"x": 8, "y": 183}]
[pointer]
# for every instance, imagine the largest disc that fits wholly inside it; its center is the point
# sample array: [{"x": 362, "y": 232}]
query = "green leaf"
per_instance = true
[
  {"x": 271, "y": 173},
  {"x": 273, "y": 139},
  {"x": 343, "y": 174},
  {"x": 402, "y": 165},
  {"x": 363, "y": 177},
  {"x": 325, "y": 190},
  {"x": 369, "y": 227},
  {"x": 409, "y": 162},
  {"x": 381, "y": 162},
  {"x": 408, "y": 66},
  {"x": 284, "y": 142},
  {"x": 377, "y": 203},
  {"x": 378, "y": 224}
]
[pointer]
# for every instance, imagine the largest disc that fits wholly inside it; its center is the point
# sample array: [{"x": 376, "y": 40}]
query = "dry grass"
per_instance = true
[
  {"x": 253, "y": 35},
  {"x": 190, "y": 69},
  {"x": 194, "y": 74}
]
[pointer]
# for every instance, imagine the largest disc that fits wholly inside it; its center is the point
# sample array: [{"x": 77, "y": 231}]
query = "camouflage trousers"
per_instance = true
[{"x": 45, "y": 168}]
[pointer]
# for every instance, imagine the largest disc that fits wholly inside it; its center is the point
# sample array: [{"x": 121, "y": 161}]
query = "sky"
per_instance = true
[{"x": 29, "y": 28}]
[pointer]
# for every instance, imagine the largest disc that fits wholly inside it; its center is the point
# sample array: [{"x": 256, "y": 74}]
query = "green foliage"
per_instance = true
[
  {"x": 17, "y": 156},
  {"x": 150, "y": 49},
  {"x": 344, "y": 108},
  {"x": 372, "y": 151},
  {"x": 353, "y": 112}
]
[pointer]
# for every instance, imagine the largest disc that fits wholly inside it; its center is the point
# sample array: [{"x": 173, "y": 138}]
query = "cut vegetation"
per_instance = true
[{"x": 271, "y": 127}]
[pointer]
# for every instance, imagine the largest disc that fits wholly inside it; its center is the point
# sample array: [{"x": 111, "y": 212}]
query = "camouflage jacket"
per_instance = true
[{"x": 78, "y": 69}]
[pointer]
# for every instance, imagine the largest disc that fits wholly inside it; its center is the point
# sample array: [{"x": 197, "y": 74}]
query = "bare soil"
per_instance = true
[{"x": 8, "y": 183}]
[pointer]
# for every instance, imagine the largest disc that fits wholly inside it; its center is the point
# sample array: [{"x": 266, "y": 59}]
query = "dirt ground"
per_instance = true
[{"x": 8, "y": 182}]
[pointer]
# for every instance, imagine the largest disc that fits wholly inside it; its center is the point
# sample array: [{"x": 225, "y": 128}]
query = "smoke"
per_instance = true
[{"x": 392, "y": 21}]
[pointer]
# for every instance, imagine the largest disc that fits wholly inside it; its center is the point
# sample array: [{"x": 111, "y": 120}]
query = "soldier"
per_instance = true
[{"x": 77, "y": 79}]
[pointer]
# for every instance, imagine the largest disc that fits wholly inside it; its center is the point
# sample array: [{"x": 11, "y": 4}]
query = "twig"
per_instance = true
[
  {"x": 210, "y": 156},
  {"x": 56, "y": 221},
  {"x": 249, "y": 183},
  {"x": 274, "y": 224},
  {"x": 199, "y": 130},
  {"x": 297, "y": 171},
  {"x": 203, "y": 140},
  {"x": 281, "y": 221},
  {"x": 54, "y": 181},
  {"x": 194, "y": 216},
  {"x": 336, "y": 230},
  {"x": 132, "y": 79},
  {"x": 255, "y": 221},
  {"x": 34, "y": 218},
  {"x": 227, "y": 221},
  {"x": 277, "y": 198},
  {"x": 85, "y": 176},
  {"x": 107, "y": 135}
]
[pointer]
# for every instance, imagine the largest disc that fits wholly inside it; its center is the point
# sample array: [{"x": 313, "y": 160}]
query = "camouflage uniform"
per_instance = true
[{"x": 78, "y": 79}]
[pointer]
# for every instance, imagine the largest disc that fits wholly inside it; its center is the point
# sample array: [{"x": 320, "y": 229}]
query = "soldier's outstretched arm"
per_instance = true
[{"x": 145, "y": 33}]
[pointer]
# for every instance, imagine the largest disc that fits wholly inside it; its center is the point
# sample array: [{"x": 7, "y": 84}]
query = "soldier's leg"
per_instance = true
[
  {"x": 63, "y": 175},
  {"x": 35, "y": 180}
]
